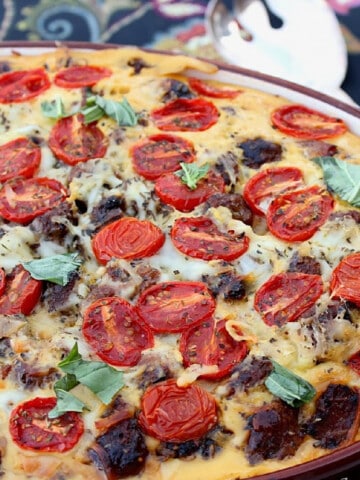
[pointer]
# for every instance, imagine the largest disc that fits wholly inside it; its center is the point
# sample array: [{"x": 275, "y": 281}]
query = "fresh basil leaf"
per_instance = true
[
  {"x": 66, "y": 403},
  {"x": 54, "y": 108},
  {"x": 56, "y": 269},
  {"x": 191, "y": 174},
  {"x": 74, "y": 356},
  {"x": 92, "y": 112},
  {"x": 343, "y": 178},
  {"x": 121, "y": 112},
  {"x": 291, "y": 388},
  {"x": 66, "y": 383}
]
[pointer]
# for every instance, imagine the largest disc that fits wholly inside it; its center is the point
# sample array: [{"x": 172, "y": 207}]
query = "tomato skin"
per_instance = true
[
  {"x": 23, "y": 85},
  {"x": 72, "y": 141},
  {"x": 297, "y": 215},
  {"x": 177, "y": 414},
  {"x": 127, "y": 238},
  {"x": 204, "y": 88},
  {"x": 172, "y": 191},
  {"x": 22, "y": 200},
  {"x": 286, "y": 296},
  {"x": 186, "y": 115},
  {"x": 2, "y": 281},
  {"x": 32, "y": 429},
  {"x": 160, "y": 154},
  {"x": 81, "y": 76},
  {"x": 211, "y": 344},
  {"x": 199, "y": 237},
  {"x": 345, "y": 279},
  {"x": 301, "y": 122},
  {"x": 354, "y": 362},
  {"x": 19, "y": 158},
  {"x": 21, "y": 292},
  {"x": 113, "y": 329},
  {"x": 170, "y": 307},
  {"x": 269, "y": 183}
]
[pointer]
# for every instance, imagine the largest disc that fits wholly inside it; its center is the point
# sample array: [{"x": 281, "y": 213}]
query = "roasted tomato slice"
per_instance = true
[
  {"x": 21, "y": 292},
  {"x": 159, "y": 154},
  {"x": 205, "y": 88},
  {"x": 21, "y": 200},
  {"x": 113, "y": 329},
  {"x": 286, "y": 296},
  {"x": 175, "y": 306},
  {"x": 72, "y": 141},
  {"x": 354, "y": 362},
  {"x": 2, "y": 281},
  {"x": 127, "y": 238},
  {"x": 302, "y": 122},
  {"x": 32, "y": 429},
  {"x": 345, "y": 279},
  {"x": 171, "y": 190},
  {"x": 19, "y": 158},
  {"x": 177, "y": 414},
  {"x": 297, "y": 215},
  {"x": 186, "y": 115},
  {"x": 80, "y": 76},
  {"x": 210, "y": 344},
  {"x": 199, "y": 237},
  {"x": 23, "y": 85},
  {"x": 267, "y": 184}
]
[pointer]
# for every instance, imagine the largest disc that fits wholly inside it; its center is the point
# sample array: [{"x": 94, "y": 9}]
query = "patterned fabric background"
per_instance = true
[{"x": 164, "y": 24}]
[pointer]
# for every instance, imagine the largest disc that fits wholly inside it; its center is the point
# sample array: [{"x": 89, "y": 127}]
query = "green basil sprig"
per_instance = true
[
  {"x": 97, "y": 107},
  {"x": 56, "y": 268},
  {"x": 54, "y": 109},
  {"x": 291, "y": 388},
  {"x": 343, "y": 178},
  {"x": 104, "y": 381},
  {"x": 190, "y": 174}
]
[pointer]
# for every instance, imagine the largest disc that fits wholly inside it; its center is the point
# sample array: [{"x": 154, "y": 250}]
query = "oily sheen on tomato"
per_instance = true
[
  {"x": 186, "y": 115},
  {"x": 81, "y": 76},
  {"x": 296, "y": 216},
  {"x": 160, "y": 154},
  {"x": 23, "y": 85},
  {"x": 32, "y": 429},
  {"x": 173, "y": 191},
  {"x": 210, "y": 344},
  {"x": 177, "y": 414},
  {"x": 345, "y": 279},
  {"x": 20, "y": 292},
  {"x": 127, "y": 238},
  {"x": 199, "y": 237},
  {"x": 305, "y": 123},
  {"x": 114, "y": 330},
  {"x": 73, "y": 141},
  {"x": 204, "y": 88},
  {"x": 263, "y": 187},
  {"x": 286, "y": 296},
  {"x": 170, "y": 307},
  {"x": 23, "y": 199},
  {"x": 19, "y": 158}
]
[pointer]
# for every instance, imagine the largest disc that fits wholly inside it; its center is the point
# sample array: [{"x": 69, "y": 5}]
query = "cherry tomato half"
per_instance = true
[
  {"x": 204, "y": 88},
  {"x": 171, "y": 190},
  {"x": 297, "y": 215},
  {"x": 127, "y": 238},
  {"x": 177, "y": 414},
  {"x": 174, "y": 306},
  {"x": 199, "y": 237},
  {"x": 286, "y": 296},
  {"x": 302, "y": 122},
  {"x": 354, "y": 362},
  {"x": 80, "y": 76},
  {"x": 186, "y": 115},
  {"x": 2, "y": 281},
  {"x": 21, "y": 292},
  {"x": 159, "y": 154},
  {"x": 72, "y": 141},
  {"x": 32, "y": 429},
  {"x": 113, "y": 329},
  {"x": 23, "y": 85},
  {"x": 19, "y": 158},
  {"x": 345, "y": 279},
  {"x": 21, "y": 200},
  {"x": 267, "y": 184},
  {"x": 210, "y": 344}
]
